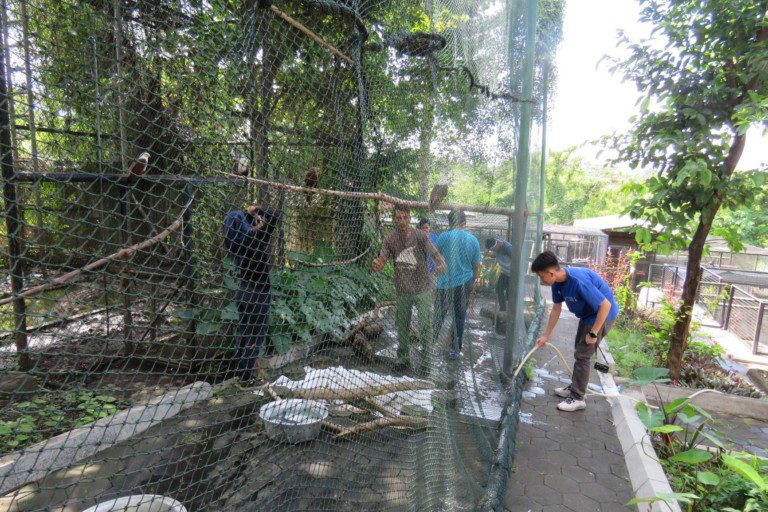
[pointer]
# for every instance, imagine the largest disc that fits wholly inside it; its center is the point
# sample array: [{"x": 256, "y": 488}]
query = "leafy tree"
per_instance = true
[{"x": 704, "y": 78}]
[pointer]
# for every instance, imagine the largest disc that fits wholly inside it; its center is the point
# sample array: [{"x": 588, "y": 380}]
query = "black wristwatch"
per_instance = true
[{"x": 592, "y": 335}]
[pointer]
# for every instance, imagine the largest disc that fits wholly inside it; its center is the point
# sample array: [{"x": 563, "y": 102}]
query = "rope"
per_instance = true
[{"x": 319, "y": 40}]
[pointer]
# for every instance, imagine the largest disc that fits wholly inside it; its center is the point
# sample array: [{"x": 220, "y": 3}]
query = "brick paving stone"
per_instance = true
[
  {"x": 561, "y": 483},
  {"x": 580, "y": 503},
  {"x": 569, "y": 462}
]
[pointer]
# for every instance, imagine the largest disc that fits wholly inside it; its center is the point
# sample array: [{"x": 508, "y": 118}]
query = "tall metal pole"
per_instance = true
[
  {"x": 543, "y": 174},
  {"x": 516, "y": 325},
  {"x": 12, "y": 225},
  {"x": 125, "y": 225}
]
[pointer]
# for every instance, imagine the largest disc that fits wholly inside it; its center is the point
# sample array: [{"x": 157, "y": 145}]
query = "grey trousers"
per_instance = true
[{"x": 583, "y": 354}]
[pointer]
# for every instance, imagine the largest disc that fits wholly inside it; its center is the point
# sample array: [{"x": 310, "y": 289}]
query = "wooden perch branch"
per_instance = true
[
  {"x": 319, "y": 40},
  {"x": 364, "y": 320},
  {"x": 320, "y": 393},
  {"x": 379, "y": 196},
  {"x": 123, "y": 254},
  {"x": 399, "y": 421}
]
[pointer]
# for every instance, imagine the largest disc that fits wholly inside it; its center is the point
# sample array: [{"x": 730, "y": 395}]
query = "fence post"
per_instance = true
[
  {"x": 12, "y": 226},
  {"x": 727, "y": 305},
  {"x": 758, "y": 327}
]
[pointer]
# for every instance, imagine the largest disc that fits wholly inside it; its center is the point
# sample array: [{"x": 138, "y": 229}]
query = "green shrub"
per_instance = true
[
  {"x": 48, "y": 414},
  {"x": 629, "y": 349}
]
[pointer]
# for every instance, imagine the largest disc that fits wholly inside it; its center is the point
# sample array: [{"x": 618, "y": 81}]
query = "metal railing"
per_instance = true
[{"x": 729, "y": 305}]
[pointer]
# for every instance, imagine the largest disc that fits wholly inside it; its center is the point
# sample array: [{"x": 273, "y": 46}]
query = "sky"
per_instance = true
[{"x": 589, "y": 101}]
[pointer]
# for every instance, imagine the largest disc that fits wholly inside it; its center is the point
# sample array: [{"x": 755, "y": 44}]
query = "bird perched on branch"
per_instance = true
[
  {"x": 310, "y": 181},
  {"x": 241, "y": 168},
  {"x": 438, "y": 194},
  {"x": 139, "y": 166}
]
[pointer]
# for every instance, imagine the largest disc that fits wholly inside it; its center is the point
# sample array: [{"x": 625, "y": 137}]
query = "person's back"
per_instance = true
[
  {"x": 248, "y": 236},
  {"x": 578, "y": 292},
  {"x": 461, "y": 251}
]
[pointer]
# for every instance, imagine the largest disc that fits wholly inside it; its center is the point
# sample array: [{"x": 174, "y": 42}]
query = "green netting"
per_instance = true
[{"x": 195, "y": 198}]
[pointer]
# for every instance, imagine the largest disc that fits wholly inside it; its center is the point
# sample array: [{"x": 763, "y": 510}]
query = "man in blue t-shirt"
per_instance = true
[
  {"x": 461, "y": 252},
  {"x": 588, "y": 297}
]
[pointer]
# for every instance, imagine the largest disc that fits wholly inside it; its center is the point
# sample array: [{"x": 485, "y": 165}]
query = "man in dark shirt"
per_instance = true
[
  {"x": 248, "y": 234},
  {"x": 503, "y": 252}
]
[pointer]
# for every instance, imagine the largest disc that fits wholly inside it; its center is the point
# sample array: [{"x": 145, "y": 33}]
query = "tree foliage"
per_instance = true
[{"x": 704, "y": 78}]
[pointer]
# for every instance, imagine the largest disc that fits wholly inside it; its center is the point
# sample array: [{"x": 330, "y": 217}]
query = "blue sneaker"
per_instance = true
[{"x": 453, "y": 355}]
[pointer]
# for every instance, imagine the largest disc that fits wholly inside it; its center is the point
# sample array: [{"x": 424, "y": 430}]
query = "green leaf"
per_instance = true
[
  {"x": 666, "y": 497},
  {"x": 230, "y": 312},
  {"x": 676, "y": 405},
  {"x": 205, "y": 328},
  {"x": 714, "y": 440},
  {"x": 707, "y": 478},
  {"x": 691, "y": 457},
  {"x": 667, "y": 429},
  {"x": 745, "y": 470},
  {"x": 647, "y": 375},
  {"x": 281, "y": 342},
  {"x": 687, "y": 419},
  {"x": 186, "y": 313},
  {"x": 649, "y": 417},
  {"x": 230, "y": 283}
]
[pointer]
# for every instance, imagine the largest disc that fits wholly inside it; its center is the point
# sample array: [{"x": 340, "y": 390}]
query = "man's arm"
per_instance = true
[
  {"x": 554, "y": 316},
  {"x": 437, "y": 257},
  {"x": 602, "y": 314},
  {"x": 378, "y": 263},
  {"x": 269, "y": 220}
]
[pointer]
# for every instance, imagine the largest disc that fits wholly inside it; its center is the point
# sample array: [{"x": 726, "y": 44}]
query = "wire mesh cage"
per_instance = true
[{"x": 210, "y": 207}]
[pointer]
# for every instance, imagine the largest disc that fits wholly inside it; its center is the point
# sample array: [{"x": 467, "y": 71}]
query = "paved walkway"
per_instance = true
[{"x": 568, "y": 462}]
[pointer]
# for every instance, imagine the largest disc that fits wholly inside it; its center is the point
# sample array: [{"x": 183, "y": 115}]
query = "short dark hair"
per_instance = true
[
  {"x": 490, "y": 243},
  {"x": 456, "y": 218},
  {"x": 402, "y": 208},
  {"x": 545, "y": 261},
  {"x": 424, "y": 222}
]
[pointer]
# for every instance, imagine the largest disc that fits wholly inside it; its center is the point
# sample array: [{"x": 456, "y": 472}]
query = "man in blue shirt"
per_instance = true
[
  {"x": 588, "y": 297},
  {"x": 461, "y": 252}
]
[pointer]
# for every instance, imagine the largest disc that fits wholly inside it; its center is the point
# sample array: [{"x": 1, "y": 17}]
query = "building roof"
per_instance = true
[
  {"x": 615, "y": 223},
  {"x": 573, "y": 230}
]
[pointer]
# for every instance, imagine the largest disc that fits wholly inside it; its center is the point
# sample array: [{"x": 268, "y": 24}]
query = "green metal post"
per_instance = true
[
  {"x": 516, "y": 325},
  {"x": 543, "y": 174}
]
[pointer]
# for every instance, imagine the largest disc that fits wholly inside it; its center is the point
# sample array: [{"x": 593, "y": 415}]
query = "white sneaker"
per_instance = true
[
  {"x": 570, "y": 405},
  {"x": 563, "y": 392}
]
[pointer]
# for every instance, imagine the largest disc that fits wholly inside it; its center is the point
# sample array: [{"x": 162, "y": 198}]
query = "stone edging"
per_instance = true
[
  {"x": 36, "y": 461},
  {"x": 645, "y": 472},
  {"x": 719, "y": 403}
]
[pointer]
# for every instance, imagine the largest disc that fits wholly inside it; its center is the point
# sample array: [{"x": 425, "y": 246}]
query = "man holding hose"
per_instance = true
[{"x": 588, "y": 297}]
